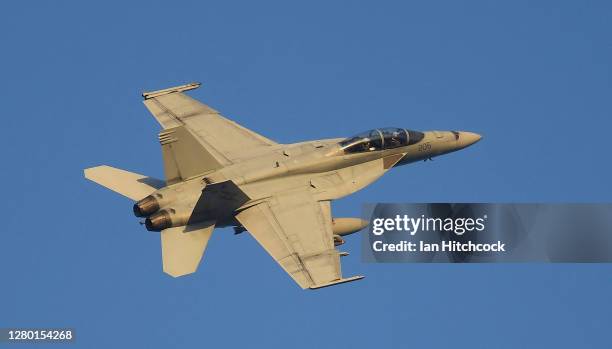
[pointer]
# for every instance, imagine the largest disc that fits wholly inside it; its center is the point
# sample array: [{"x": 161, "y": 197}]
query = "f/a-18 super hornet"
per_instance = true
[{"x": 221, "y": 174}]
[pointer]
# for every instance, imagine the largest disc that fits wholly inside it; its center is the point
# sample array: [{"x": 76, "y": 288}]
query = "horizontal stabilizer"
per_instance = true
[
  {"x": 183, "y": 248},
  {"x": 336, "y": 282},
  {"x": 132, "y": 185}
]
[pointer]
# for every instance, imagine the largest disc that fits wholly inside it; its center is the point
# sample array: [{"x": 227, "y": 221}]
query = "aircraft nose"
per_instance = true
[{"x": 467, "y": 138}]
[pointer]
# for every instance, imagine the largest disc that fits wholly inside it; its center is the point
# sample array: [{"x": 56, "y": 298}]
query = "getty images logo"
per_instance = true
[{"x": 413, "y": 225}]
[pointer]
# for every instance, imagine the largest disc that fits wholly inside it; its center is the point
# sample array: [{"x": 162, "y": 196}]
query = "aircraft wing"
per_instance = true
[
  {"x": 296, "y": 231},
  {"x": 223, "y": 138}
]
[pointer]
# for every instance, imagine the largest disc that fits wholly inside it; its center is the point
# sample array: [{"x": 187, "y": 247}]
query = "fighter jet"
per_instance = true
[{"x": 221, "y": 174}]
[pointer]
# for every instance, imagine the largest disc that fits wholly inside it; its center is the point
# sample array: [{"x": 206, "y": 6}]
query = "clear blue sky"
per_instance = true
[{"x": 534, "y": 78}]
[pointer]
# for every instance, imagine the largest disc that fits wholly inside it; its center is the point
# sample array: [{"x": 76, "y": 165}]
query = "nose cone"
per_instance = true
[{"x": 466, "y": 139}]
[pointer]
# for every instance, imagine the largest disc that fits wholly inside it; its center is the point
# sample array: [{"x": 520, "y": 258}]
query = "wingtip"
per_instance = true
[
  {"x": 337, "y": 282},
  {"x": 180, "y": 88}
]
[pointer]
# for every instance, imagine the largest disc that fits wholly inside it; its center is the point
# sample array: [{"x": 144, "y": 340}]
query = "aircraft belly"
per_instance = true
[{"x": 353, "y": 179}]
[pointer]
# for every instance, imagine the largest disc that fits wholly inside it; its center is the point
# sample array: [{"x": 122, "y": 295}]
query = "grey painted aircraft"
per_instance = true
[{"x": 220, "y": 174}]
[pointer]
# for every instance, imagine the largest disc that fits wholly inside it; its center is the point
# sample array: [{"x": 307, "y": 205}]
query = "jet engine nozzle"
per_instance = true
[
  {"x": 146, "y": 206},
  {"x": 347, "y": 226},
  {"x": 159, "y": 221}
]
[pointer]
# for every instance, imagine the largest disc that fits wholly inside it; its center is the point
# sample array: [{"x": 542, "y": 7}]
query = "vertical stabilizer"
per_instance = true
[
  {"x": 132, "y": 185},
  {"x": 183, "y": 155}
]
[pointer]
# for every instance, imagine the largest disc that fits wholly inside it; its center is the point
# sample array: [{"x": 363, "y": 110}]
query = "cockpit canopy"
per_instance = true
[{"x": 379, "y": 139}]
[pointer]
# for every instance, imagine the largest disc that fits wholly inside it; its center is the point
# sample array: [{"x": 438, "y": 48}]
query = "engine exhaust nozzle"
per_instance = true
[
  {"x": 159, "y": 221},
  {"x": 146, "y": 206}
]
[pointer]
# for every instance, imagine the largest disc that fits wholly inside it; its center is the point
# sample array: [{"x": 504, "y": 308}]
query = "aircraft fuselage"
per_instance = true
[{"x": 323, "y": 165}]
